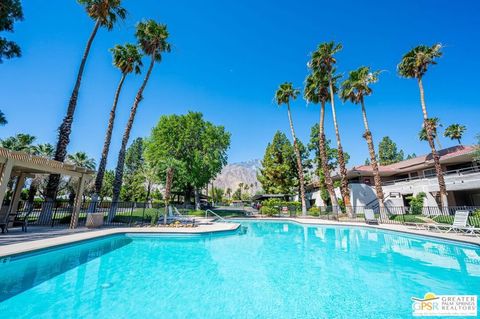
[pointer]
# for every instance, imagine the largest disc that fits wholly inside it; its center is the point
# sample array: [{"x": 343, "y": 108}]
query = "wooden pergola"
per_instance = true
[{"x": 21, "y": 165}]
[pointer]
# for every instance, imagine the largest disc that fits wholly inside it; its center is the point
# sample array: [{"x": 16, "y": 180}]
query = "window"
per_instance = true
[{"x": 429, "y": 172}]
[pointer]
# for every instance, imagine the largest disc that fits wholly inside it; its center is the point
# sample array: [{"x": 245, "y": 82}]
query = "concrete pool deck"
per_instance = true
[
  {"x": 66, "y": 236},
  {"x": 36, "y": 241}
]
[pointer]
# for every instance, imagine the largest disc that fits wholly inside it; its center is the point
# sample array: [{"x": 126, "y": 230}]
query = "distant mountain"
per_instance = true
[{"x": 236, "y": 173}]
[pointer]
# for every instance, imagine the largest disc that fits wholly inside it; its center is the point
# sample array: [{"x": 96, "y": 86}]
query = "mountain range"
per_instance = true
[{"x": 242, "y": 172}]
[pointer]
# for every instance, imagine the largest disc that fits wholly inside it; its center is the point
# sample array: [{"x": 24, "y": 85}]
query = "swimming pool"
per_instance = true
[{"x": 273, "y": 270}]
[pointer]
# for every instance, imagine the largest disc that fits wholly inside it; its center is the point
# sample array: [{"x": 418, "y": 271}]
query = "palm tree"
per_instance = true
[
  {"x": 127, "y": 59},
  {"x": 152, "y": 38},
  {"x": 79, "y": 159},
  {"x": 19, "y": 143},
  {"x": 229, "y": 192},
  {"x": 323, "y": 60},
  {"x": 414, "y": 64},
  {"x": 455, "y": 132},
  {"x": 105, "y": 14},
  {"x": 354, "y": 89},
  {"x": 284, "y": 94},
  {"x": 316, "y": 91},
  {"x": 3, "y": 119},
  {"x": 434, "y": 124}
]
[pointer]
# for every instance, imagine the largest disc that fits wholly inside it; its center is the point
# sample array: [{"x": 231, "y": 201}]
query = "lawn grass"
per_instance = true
[{"x": 442, "y": 219}]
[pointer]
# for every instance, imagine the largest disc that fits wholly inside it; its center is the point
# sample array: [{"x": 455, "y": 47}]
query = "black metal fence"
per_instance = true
[
  {"x": 125, "y": 214},
  {"x": 386, "y": 215}
]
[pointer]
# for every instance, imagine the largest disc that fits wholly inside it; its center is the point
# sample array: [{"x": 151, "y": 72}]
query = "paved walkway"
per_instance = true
[{"x": 43, "y": 238}]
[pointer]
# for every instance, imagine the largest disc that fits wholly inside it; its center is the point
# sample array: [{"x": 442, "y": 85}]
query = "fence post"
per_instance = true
[
  {"x": 134, "y": 204},
  {"x": 143, "y": 213},
  {"x": 54, "y": 213}
]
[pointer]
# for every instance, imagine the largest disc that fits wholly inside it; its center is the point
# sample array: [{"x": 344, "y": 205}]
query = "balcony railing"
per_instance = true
[{"x": 456, "y": 172}]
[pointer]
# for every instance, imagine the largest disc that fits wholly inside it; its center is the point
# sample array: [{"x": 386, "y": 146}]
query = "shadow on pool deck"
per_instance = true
[{"x": 15, "y": 235}]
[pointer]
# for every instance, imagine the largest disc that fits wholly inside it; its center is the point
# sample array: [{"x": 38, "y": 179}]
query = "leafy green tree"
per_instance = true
[
  {"x": 388, "y": 152},
  {"x": 410, "y": 156},
  {"x": 19, "y": 143},
  {"x": 323, "y": 61},
  {"x": 317, "y": 91},
  {"x": 476, "y": 155},
  {"x": 414, "y": 64},
  {"x": 455, "y": 132},
  {"x": 10, "y": 11},
  {"x": 127, "y": 59},
  {"x": 354, "y": 89},
  {"x": 194, "y": 148},
  {"x": 3, "y": 119},
  {"x": 283, "y": 95},
  {"x": 107, "y": 185},
  {"x": 152, "y": 38},
  {"x": 105, "y": 13},
  {"x": 133, "y": 188},
  {"x": 277, "y": 174}
]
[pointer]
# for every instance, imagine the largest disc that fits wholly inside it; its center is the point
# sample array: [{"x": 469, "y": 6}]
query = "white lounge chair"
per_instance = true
[
  {"x": 370, "y": 217},
  {"x": 460, "y": 224},
  {"x": 174, "y": 215}
]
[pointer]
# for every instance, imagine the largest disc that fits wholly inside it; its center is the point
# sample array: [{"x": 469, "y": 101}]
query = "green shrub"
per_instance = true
[
  {"x": 314, "y": 211},
  {"x": 269, "y": 211},
  {"x": 476, "y": 213},
  {"x": 416, "y": 203},
  {"x": 154, "y": 219}
]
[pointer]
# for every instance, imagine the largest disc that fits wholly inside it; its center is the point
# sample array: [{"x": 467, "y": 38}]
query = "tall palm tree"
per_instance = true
[
  {"x": 105, "y": 14},
  {"x": 455, "y": 132},
  {"x": 414, "y": 65},
  {"x": 323, "y": 60},
  {"x": 127, "y": 59},
  {"x": 317, "y": 91},
  {"x": 284, "y": 94},
  {"x": 152, "y": 38},
  {"x": 354, "y": 89}
]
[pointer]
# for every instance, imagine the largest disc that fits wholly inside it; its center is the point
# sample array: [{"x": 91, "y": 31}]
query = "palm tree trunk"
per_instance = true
[
  {"x": 373, "y": 161},
  {"x": 299, "y": 163},
  {"x": 324, "y": 159},
  {"x": 117, "y": 183},
  {"x": 341, "y": 157},
  {"x": 168, "y": 190},
  {"x": 436, "y": 159},
  {"x": 108, "y": 139},
  {"x": 66, "y": 127}
]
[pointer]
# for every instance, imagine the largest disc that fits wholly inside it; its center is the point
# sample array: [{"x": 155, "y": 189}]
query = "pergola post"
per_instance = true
[
  {"x": 17, "y": 193},
  {"x": 78, "y": 202},
  {"x": 4, "y": 179}
]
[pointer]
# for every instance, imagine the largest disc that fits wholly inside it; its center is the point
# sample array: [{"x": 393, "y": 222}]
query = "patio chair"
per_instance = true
[
  {"x": 174, "y": 216},
  {"x": 370, "y": 217},
  {"x": 460, "y": 223}
]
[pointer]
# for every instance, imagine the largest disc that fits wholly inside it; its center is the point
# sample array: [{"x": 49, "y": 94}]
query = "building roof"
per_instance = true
[
  {"x": 28, "y": 163},
  {"x": 451, "y": 155}
]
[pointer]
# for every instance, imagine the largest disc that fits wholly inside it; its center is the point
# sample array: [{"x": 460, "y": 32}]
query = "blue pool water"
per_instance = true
[{"x": 274, "y": 270}]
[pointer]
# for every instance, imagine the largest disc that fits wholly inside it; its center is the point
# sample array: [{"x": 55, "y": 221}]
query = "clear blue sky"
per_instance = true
[{"x": 227, "y": 60}]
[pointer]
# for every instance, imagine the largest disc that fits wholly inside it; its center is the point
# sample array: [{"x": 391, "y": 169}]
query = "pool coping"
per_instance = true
[
  {"x": 36, "y": 245},
  {"x": 400, "y": 228}
]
